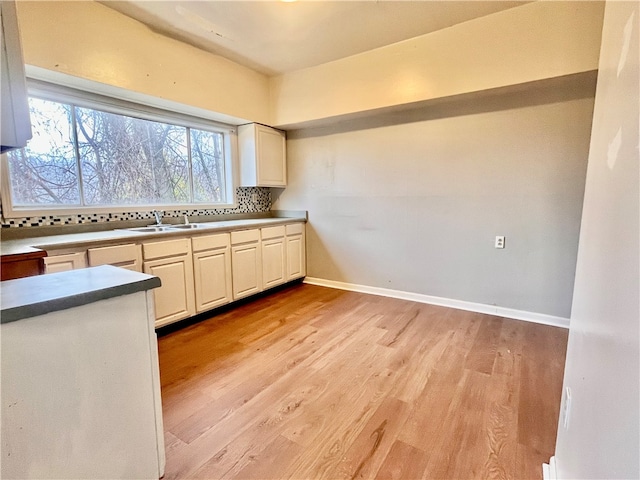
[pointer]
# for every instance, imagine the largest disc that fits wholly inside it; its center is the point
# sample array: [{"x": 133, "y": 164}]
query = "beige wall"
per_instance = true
[
  {"x": 88, "y": 40},
  {"x": 536, "y": 41},
  {"x": 412, "y": 201}
]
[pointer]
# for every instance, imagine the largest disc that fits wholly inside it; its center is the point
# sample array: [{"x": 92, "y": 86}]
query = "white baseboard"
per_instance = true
[
  {"x": 549, "y": 470},
  {"x": 445, "y": 302}
]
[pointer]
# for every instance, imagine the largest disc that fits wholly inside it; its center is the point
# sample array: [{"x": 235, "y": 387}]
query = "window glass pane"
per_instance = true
[
  {"x": 45, "y": 172},
  {"x": 83, "y": 157},
  {"x": 126, "y": 160},
  {"x": 207, "y": 157}
]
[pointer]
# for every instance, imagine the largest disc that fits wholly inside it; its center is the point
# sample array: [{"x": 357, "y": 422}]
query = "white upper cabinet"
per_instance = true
[
  {"x": 263, "y": 158},
  {"x": 15, "y": 122}
]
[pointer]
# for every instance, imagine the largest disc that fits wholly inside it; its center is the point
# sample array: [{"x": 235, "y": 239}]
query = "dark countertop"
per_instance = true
[
  {"x": 33, "y": 296},
  {"x": 71, "y": 240}
]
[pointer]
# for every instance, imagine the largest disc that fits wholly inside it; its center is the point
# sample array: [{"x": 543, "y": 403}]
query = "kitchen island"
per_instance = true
[{"x": 80, "y": 376}]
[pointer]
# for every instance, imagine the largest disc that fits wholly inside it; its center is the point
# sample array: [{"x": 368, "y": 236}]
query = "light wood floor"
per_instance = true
[{"x": 312, "y": 382}]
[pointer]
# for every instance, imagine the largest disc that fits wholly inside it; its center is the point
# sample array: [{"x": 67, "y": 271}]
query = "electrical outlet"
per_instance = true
[
  {"x": 254, "y": 198},
  {"x": 499, "y": 242}
]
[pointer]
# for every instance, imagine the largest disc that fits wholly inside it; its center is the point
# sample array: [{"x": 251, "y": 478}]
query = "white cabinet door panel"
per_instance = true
[
  {"x": 273, "y": 262},
  {"x": 296, "y": 252},
  {"x": 212, "y": 274},
  {"x": 174, "y": 299},
  {"x": 263, "y": 157},
  {"x": 246, "y": 263},
  {"x": 272, "y": 168},
  {"x": 295, "y": 257}
]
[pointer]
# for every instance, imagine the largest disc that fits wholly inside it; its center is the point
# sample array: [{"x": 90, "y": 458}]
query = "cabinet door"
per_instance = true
[
  {"x": 296, "y": 253},
  {"x": 63, "y": 263},
  {"x": 212, "y": 274},
  {"x": 270, "y": 148},
  {"x": 273, "y": 262},
  {"x": 246, "y": 266},
  {"x": 263, "y": 159},
  {"x": 174, "y": 299}
]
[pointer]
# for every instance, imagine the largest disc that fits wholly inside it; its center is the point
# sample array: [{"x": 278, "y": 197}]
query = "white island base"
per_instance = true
[{"x": 80, "y": 386}]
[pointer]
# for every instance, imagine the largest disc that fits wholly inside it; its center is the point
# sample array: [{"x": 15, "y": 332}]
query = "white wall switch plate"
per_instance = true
[{"x": 566, "y": 408}]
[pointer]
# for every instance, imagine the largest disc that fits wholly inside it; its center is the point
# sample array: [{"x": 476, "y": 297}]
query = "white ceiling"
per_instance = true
[{"x": 275, "y": 37}]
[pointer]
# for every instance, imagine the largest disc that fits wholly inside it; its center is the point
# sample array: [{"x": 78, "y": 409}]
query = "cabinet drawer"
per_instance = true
[
  {"x": 166, "y": 248},
  {"x": 113, "y": 254},
  {"x": 209, "y": 242},
  {"x": 272, "y": 232},
  {"x": 245, "y": 236},
  {"x": 67, "y": 261},
  {"x": 295, "y": 228}
]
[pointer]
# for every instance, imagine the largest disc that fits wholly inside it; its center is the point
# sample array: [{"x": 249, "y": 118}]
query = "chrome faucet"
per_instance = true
[{"x": 158, "y": 215}]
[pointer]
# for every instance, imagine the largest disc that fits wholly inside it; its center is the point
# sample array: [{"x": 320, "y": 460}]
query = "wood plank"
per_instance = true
[
  {"x": 460, "y": 450},
  {"x": 272, "y": 462},
  {"x": 403, "y": 462},
  {"x": 500, "y": 426},
  {"x": 540, "y": 387},
  {"x": 483, "y": 353},
  {"x": 427, "y": 423},
  {"x": 370, "y": 448},
  {"x": 529, "y": 463}
]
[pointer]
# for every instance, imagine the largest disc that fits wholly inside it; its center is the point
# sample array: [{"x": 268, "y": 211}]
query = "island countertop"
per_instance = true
[{"x": 32, "y": 296}]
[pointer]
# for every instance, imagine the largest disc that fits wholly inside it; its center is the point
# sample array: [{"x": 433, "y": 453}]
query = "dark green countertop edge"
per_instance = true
[{"x": 132, "y": 282}]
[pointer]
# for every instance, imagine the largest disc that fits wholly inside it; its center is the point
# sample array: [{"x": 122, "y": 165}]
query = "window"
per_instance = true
[{"x": 85, "y": 157}]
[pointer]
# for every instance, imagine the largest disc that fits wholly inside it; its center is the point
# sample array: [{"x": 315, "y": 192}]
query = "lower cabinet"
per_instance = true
[
  {"x": 22, "y": 265},
  {"x": 203, "y": 271},
  {"x": 212, "y": 271},
  {"x": 296, "y": 251},
  {"x": 246, "y": 263},
  {"x": 273, "y": 256},
  {"x": 171, "y": 261}
]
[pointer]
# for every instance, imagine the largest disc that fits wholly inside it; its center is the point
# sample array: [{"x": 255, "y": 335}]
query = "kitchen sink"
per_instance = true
[
  {"x": 189, "y": 226},
  {"x": 151, "y": 229},
  {"x": 166, "y": 228}
]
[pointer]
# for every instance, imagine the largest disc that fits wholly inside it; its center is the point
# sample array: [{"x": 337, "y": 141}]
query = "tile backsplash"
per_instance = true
[{"x": 243, "y": 196}]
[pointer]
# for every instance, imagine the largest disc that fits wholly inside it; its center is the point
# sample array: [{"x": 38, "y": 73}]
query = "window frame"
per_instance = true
[{"x": 85, "y": 99}]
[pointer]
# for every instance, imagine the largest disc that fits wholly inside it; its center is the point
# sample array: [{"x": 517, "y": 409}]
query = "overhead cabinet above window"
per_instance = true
[{"x": 262, "y": 156}]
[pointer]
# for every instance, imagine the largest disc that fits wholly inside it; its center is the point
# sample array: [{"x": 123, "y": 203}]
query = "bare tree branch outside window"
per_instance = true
[
  {"x": 122, "y": 160},
  {"x": 45, "y": 173}
]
